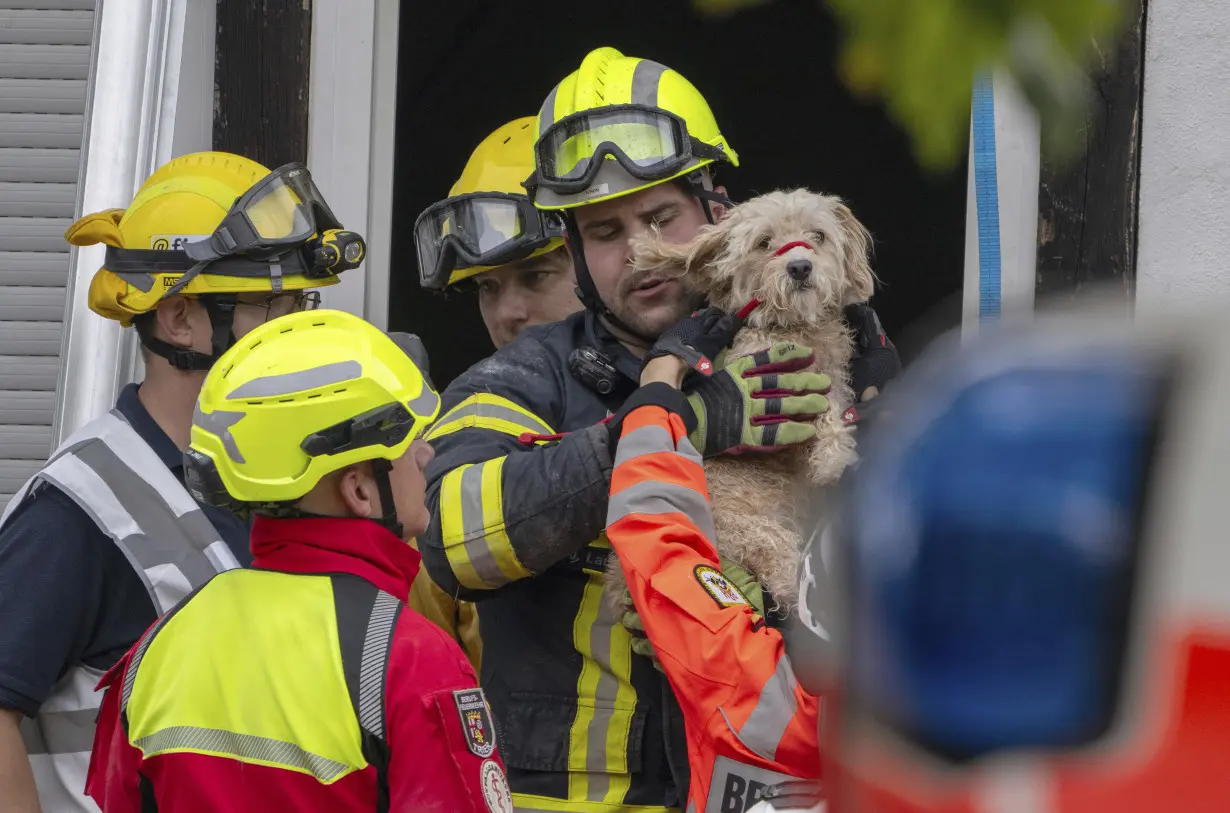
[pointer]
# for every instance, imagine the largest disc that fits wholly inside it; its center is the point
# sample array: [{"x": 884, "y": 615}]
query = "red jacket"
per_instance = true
[
  {"x": 749, "y": 724},
  {"x": 439, "y": 756}
]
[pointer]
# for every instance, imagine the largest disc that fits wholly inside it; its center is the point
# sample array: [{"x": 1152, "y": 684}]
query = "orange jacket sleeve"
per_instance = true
[{"x": 728, "y": 669}]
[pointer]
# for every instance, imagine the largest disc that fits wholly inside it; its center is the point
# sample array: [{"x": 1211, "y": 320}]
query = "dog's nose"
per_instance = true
[{"x": 799, "y": 269}]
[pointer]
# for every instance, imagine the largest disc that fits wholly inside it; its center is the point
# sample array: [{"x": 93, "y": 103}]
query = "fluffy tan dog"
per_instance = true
[{"x": 802, "y": 289}]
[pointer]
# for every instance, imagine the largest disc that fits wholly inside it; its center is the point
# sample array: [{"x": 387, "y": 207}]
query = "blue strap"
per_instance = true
[{"x": 986, "y": 192}]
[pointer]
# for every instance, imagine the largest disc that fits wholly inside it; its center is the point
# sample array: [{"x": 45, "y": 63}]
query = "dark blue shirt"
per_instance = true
[{"x": 67, "y": 594}]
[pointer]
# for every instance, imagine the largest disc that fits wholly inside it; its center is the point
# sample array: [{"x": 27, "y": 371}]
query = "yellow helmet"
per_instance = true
[
  {"x": 184, "y": 201},
  {"x": 300, "y": 397},
  {"x": 619, "y": 124},
  {"x": 487, "y": 220}
]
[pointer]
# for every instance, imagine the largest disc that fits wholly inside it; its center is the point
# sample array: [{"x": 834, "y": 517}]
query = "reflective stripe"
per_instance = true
[
  {"x": 241, "y": 746},
  {"x": 375, "y": 657},
  {"x": 528, "y": 803},
  {"x": 425, "y": 404},
  {"x": 219, "y": 423},
  {"x": 598, "y": 742},
  {"x": 289, "y": 383},
  {"x": 486, "y": 411},
  {"x": 767, "y": 723},
  {"x": 472, "y": 526},
  {"x": 656, "y": 498},
  {"x": 646, "y": 77},
  {"x": 546, "y": 114},
  {"x": 649, "y": 439}
]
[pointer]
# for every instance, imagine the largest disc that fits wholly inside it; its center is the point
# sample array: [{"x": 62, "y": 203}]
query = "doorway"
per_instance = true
[{"x": 468, "y": 66}]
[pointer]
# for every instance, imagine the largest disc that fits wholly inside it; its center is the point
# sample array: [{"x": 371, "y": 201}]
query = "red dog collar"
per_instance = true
[{"x": 794, "y": 244}]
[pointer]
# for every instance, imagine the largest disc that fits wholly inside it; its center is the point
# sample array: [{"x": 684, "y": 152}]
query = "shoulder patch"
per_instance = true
[
  {"x": 495, "y": 787},
  {"x": 475, "y": 721},
  {"x": 719, "y": 588}
]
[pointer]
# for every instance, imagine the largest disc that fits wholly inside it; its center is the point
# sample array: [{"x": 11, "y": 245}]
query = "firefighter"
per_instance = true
[
  {"x": 487, "y": 237},
  {"x": 304, "y": 682},
  {"x": 750, "y": 725},
  {"x": 105, "y": 538},
  {"x": 521, "y": 477}
]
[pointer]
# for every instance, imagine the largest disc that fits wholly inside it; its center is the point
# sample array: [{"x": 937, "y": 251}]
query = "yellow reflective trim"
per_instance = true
[
  {"x": 528, "y": 803},
  {"x": 486, "y": 411},
  {"x": 472, "y": 526},
  {"x": 452, "y": 530},
  {"x": 498, "y": 542},
  {"x": 606, "y": 700},
  {"x": 197, "y": 689}
]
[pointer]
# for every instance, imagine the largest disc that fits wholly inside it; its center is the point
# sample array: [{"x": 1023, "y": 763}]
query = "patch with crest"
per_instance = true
[
  {"x": 475, "y": 721},
  {"x": 720, "y": 589}
]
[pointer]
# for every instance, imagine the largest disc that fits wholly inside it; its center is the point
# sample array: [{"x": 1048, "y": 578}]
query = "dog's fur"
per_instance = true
[{"x": 753, "y": 496}]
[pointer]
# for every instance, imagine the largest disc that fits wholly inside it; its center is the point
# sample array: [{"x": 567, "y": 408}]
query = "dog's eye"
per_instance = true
[
  {"x": 818, "y": 238},
  {"x": 764, "y": 242}
]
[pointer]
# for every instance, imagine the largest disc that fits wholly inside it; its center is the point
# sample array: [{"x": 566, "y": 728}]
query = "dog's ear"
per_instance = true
[
  {"x": 692, "y": 260},
  {"x": 860, "y": 280}
]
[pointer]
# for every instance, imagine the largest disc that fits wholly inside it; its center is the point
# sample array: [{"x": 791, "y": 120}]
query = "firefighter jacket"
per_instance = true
[
  {"x": 456, "y": 617},
  {"x": 749, "y": 724},
  {"x": 517, "y": 526},
  {"x": 302, "y": 684}
]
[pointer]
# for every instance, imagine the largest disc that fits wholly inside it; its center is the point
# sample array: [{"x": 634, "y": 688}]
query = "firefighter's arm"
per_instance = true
[
  {"x": 506, "y": 504},
  {"x": 711, "y": 642},
  {"x": 114, "y": 779}
]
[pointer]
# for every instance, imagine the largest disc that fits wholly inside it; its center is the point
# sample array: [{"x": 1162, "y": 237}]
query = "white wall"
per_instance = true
[{"x": 1184, "y": 240}]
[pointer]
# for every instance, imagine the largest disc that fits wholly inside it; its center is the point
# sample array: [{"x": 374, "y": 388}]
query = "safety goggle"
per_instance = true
[
  {"x": 649, "y": 143},
  {"x": 280, "y": 211},
  {"x": 478, "y": 229}
]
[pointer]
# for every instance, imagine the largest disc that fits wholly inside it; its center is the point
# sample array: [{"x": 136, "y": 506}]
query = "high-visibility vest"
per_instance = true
[{"x": 121, "y": 483}]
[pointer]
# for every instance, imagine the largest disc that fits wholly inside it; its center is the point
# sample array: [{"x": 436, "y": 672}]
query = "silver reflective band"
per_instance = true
[
  {"x": 219, "y": 423},
  {"x": 656, "y": 498},
  {"x": 474, "y": 530},
  {"x": 424, "y": 404},
  {"x": 242, "y": 746},
  {"x": 290, "y": 383},
  {"x": 372, "y": 667},
  {"x": 767, "y": 723}
]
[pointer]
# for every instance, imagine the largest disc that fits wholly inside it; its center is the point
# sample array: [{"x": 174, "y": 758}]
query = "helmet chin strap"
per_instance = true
[
  {"x": 221, "y": 311},
  {"x": 381, "y": 469}
]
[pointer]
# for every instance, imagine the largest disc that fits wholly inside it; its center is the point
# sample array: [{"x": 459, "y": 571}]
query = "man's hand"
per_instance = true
[
  {"x": 875, "y": 361},
  {"x": 18, "y": 793},
  {"x": 759, "y": 403},
  {"x": 697, "y": 340}
]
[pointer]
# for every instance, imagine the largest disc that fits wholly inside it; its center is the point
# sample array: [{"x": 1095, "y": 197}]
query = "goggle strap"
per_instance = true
[{"x": 188, "y": 276}]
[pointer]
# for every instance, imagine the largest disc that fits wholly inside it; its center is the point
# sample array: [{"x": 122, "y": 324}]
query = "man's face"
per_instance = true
[
  {"x": 645, "y": 303},
  {"x": 537, "y": 291},
  {"x": 409, "y": 488}
]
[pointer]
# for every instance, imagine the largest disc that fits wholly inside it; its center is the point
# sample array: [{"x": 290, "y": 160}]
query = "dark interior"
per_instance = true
[{"x": 468, "y": 66}]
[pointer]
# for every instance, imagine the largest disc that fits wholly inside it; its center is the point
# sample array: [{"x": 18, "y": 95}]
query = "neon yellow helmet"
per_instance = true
[
  {"x": 487, "y": 219},
  {"x": 619, "y": 124},
  {"x": 183, "y": 201},
  {"x": 300, "y": 397}
]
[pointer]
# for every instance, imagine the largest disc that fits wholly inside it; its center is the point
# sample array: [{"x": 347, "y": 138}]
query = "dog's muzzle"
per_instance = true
[{"x": 799, "y": 270}]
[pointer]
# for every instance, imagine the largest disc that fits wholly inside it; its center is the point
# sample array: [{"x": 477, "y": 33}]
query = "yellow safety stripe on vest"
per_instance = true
[
  {"x": 606, "y": 700},
  {"x": 244, "y": 747},
  {"x": 472, "y": 527},
  {"x": 486, "y": 411},
  {"x": 527, "y": 803}
]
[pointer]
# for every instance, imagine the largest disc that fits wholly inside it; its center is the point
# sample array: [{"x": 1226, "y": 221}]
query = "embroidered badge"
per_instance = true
[
  {"x": 495, "y": 788},
  {"x": 720, "y": 588},
  {"x": 475, "y": 721}
]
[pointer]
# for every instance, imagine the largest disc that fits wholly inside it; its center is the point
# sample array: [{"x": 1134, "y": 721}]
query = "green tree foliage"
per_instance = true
[{"x": 921, "y": 58}]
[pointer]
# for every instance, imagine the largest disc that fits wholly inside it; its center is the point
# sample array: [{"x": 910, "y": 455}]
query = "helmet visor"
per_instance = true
[
  {"x": 648, "y": 143},
  {"x": 476, "y": 229}
]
